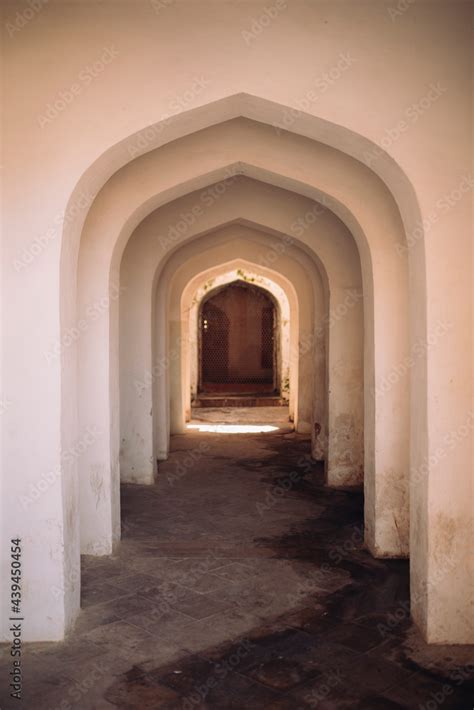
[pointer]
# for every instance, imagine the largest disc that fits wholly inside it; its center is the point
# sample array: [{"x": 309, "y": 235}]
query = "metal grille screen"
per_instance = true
[{"x": 237, "y": 340}]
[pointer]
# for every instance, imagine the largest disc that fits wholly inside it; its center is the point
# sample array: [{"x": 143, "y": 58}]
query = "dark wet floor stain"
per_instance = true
[
  {"x": 341, "y": 647},
  {"x": 245, "y": 583}
]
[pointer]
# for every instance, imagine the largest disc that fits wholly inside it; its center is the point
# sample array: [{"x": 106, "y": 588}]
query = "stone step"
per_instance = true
[{"x": 238, "y": 401}]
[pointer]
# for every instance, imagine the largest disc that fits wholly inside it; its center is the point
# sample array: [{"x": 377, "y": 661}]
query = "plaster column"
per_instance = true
[
  {"x": 99, "y": 476},
  {"x": 441, "y": 473},
  {"x": 138, "y": 373},
  {"x": 345, "y": 459}
]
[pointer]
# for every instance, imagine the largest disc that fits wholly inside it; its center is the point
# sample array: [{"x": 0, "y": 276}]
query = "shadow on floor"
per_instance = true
[{"x": 242, "y": 582}]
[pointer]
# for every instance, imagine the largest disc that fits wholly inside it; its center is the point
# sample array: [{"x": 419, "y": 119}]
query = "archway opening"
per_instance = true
[
  {"x": 239, "y": 361},
  {"x": 384, "y": 274},
  {"x": 238, "y": 342},
  {"x": 286, "y": 322}
]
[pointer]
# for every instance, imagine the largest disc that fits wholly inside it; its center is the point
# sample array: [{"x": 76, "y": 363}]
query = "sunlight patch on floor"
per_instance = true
[{"x": 233, "y": 428}]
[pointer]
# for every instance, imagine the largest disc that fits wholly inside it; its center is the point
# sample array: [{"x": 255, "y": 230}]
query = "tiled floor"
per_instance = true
[{"x": 241, "y": 582}]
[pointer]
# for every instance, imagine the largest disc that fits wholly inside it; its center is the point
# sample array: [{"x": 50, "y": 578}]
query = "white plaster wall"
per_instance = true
[{"x": 396, "y": 56}]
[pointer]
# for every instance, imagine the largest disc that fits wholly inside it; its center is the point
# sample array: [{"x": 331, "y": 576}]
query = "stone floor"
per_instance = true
[
  {"x": 241, "y": 582},
  {"x": 252, "y": 417}
]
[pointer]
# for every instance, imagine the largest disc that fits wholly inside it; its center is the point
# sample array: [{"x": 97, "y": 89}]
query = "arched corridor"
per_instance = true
[
  {"x": 237, "y": 244},
  {"x": 344, "y": 228}
]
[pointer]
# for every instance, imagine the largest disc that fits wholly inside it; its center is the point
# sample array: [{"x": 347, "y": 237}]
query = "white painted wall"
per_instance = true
[{"x": 411, "y": 68}]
